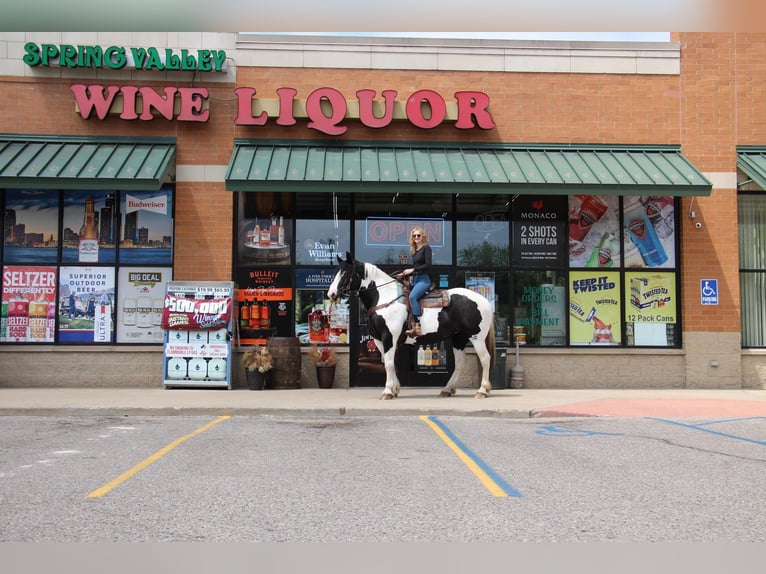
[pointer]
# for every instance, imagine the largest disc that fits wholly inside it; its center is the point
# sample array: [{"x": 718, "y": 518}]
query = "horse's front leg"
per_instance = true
[
  {"x": 450, "y": 388},
  {"x": 392, "y": 381}
]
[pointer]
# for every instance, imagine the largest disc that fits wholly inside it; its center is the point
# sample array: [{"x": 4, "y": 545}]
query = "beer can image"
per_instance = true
[
  {"x": 144, "y": 312},
  {"x": 129, "y": 306},
  {"x": 38, "y": 320},
  {"x": 157, "y": 306},
  {"x": 18, "y": 320}
]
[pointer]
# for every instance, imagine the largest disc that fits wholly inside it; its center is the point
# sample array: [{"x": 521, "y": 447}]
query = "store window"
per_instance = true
[
  {"x": 85, "y": 266},
  {"x": 752, "y": 267},
  {"x": 609, "y": 260}
]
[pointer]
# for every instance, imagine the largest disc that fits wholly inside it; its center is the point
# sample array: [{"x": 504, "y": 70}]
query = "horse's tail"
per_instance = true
[{"x": 490, "y": 342}]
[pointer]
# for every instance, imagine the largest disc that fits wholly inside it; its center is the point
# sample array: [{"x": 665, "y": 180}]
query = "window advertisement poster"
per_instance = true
[
  {"x": 539, "y": 231},
  {"x": 649, "y": 224},
  {"x": 28, "y": 305},
  {"x": 86, "y": 313},
  {"x": 139, "y": 306},
  {"x": 89, "y": 234},
  {"x": 594, "y": 308},
  {"x": 319, "y": 242},
  {"x": 31, "y": 233},
  {"x": 265, "y": 300},
  {"x": 483, "y": 284},
  {"x": 650, "y": 314},
  {"x": 147, "y": 228},
  {"x": 317, "y": 319},
  {"x": 594, "y": 231},
  {"x": 264, "y": 235}
]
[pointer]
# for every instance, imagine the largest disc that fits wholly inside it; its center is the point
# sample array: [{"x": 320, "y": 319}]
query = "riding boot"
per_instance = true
[{"x": 414, "y": 330}]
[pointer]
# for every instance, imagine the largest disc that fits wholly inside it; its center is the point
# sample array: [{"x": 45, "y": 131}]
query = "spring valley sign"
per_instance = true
[{"x": 325, "y": 108}]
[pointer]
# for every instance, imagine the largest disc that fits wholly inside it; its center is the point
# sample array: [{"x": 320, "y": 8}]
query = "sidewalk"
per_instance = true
[{"x": 509, "y": 403}]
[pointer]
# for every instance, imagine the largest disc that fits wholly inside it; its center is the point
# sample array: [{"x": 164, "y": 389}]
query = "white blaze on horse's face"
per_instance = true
[{"x": 332, "y": 291}]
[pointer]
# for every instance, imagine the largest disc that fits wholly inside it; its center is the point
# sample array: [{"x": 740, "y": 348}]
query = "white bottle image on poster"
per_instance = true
[{"x": 88, "y": 249}]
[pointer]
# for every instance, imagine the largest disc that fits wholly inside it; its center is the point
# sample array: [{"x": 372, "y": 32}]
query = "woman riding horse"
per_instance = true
[{"x": 467, "y": 318}]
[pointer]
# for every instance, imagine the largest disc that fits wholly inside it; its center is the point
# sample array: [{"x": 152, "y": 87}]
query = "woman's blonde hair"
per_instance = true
[{"x": 424, "y": 236}]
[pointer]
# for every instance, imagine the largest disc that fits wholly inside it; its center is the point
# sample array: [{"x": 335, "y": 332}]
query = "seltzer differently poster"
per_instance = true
[{"x": 28, "y": 305}]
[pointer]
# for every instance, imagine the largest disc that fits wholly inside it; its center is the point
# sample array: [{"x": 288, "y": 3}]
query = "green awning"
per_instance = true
[
  {"x": 752, "y": 161},
  {"x": 85, "y": 162},
  {"x": 269, "y": 165}
]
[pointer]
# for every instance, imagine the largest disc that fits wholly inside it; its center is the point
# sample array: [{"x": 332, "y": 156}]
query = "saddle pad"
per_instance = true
[{"x": 435, "y": 299}]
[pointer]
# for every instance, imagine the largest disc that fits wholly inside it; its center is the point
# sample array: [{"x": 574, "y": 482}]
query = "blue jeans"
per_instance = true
[{"x": 420, "y": 284}]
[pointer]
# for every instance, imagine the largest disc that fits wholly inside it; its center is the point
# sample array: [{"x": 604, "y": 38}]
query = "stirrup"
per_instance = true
[{"x": 414, "y": 331}]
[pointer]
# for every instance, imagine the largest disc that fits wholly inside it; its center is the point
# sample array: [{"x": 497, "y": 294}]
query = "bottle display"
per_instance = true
[
  {"x": 88, "y": 250},
  {"x": 273, "y": 231},
  {"x": 281, "y": 231},
  {"x": 255, "y": 315},
  {"x": 319, "y": 325},
  {"x": 265, "y": 312}
]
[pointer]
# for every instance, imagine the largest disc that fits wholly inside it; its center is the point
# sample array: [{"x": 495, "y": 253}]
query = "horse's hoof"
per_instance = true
[
  {"x": 445, "y": 394},
  {"x": 480, "y": 395},
  {"x": 387, "y": 396}
]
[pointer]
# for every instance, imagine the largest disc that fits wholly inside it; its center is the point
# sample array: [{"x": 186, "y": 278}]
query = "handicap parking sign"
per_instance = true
[{"x": 709, "y": 291}]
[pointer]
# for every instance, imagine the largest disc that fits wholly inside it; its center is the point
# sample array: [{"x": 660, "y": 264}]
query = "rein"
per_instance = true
[{"x": 355, "y": 292}]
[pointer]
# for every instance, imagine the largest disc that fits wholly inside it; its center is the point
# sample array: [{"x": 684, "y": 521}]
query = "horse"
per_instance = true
[{"x": 467, "y": 317}]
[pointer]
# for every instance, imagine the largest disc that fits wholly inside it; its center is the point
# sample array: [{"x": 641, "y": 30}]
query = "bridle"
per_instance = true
[
  {"x": 346, "y": 288},
  {"x": 346, "y": 285}
]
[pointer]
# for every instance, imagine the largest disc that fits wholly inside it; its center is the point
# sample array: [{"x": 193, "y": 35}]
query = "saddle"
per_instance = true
[{"x": 432, "y": 298}]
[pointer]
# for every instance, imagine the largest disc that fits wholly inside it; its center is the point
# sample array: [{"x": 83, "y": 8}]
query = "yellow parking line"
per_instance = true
[
  {"x": 489, "y": 478},
  {"x": 153, "y": 458}
]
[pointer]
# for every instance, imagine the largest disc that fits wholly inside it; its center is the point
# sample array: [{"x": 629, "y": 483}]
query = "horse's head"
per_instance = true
[{"x": 347, "y": 280}]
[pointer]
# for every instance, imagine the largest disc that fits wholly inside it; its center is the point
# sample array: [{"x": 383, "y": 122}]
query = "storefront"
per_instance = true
[{"x": 590, "y": 192}]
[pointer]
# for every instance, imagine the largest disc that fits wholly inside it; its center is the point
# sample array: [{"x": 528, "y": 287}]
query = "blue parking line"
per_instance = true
[
  {"x": 723, "y": 434},
  {"x": 491, "y": 480}
]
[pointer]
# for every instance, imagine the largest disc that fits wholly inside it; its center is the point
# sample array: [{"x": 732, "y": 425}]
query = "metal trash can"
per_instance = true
[{"x": 497, "y": 376}]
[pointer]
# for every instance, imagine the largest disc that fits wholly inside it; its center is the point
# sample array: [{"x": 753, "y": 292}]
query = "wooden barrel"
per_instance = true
[{"x": 286, "y": 353}]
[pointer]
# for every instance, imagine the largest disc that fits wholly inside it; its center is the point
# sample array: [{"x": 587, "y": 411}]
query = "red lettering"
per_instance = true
[
  {"x": 473, "y": 105},
  {"x": 129, "y": 103},
  {"x": 415, "y": 111},
  {"x": 286, "y": 96},
  {"x": 321, "y": 122},
  {"x": 93, "y": 97},
  {"x": 367, "y": 117},
  {"x": 191, "y": 105},
  {"x": 245, "y": 109},
  {"x": 153, "y": 100}
]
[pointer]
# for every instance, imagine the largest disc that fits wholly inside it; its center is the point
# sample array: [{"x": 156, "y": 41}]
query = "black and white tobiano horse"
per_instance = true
[{"x": 466, "y": 318}]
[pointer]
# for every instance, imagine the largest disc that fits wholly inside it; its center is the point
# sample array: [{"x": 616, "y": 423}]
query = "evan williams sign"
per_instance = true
[{"x": 325, "y": 108}]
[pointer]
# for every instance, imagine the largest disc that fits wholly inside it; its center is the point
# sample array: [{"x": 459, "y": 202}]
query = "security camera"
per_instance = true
[{"x": 698, "y": 225}]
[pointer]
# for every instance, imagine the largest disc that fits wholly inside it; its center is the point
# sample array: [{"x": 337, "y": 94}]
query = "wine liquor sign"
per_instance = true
[{"x": 326, "y": 108}]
